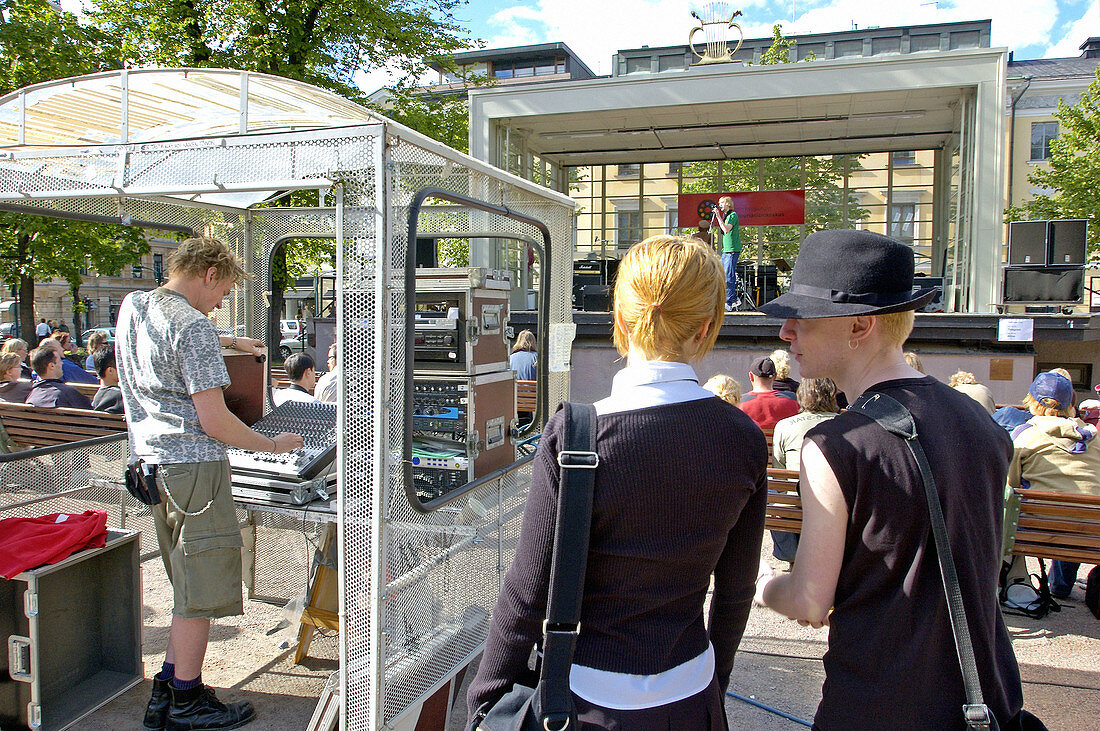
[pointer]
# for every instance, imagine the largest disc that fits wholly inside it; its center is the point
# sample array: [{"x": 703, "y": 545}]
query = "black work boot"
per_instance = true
[
  {"x": 156, "y": 713},
  {"x": 198, "y": 709}
]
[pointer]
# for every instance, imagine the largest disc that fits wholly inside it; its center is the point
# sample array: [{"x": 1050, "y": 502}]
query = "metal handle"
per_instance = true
[{"x": 19, "y": 658}]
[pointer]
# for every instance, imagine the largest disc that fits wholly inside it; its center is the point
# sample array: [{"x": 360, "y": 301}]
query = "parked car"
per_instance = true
[
  {"x": 290, "y": 328},
  {"x": 8, "y": 330},
  {"x": 109, "y": 330},
  {"x": 289, "y": 346}
]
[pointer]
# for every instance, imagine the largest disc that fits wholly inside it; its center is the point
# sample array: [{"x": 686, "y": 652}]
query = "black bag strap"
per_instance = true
[
  {"x": 577, "y": 462},
  {"x": 896, "y": 419}
]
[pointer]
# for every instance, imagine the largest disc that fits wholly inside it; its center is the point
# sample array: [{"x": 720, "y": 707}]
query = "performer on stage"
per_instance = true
[{"x": 726, "y": 219}]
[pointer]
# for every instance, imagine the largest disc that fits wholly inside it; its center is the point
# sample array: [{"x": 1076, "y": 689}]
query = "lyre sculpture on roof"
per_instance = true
[{"x": 715, "y": 19}]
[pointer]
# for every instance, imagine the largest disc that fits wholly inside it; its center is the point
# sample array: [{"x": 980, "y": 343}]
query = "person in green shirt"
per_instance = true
[{"x": 726, "y": 218}]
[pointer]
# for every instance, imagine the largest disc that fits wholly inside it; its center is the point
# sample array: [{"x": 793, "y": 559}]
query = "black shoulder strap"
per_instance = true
[
  {"x": 578, "y": 462},
  {"x": 896, "y": 419}
]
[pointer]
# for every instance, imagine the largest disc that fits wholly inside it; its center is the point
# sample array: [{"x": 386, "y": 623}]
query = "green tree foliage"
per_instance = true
[
  {"x": 1073, "y": 171},
  {"x": 781, "y": 48},
  {"x": 36, "y": 248},
  {"x": 38, "y": 43},
  {"x": 317, "y": 41}
]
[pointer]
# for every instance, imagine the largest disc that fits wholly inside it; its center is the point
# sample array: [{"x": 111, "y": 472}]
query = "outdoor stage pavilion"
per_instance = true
[{"x": 952, "y": 103}]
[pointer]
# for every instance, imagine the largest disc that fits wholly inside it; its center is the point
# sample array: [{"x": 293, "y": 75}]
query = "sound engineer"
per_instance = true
[{"x": 171, "y": 373}]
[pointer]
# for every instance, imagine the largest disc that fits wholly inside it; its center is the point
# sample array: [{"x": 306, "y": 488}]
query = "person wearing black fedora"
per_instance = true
[{"x": 866, "y": 563}]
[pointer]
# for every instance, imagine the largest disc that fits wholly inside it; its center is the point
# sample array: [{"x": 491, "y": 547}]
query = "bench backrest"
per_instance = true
[
  {"x": 526, "y": 395},
  {"x": 30, "y": 426},
  {"x": 784, "y": 511},
  {"x": 1064, "y": 526}
]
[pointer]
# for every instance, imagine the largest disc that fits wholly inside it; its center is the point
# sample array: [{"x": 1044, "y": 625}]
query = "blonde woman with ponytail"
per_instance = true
[{"x": 679, "y": 498}]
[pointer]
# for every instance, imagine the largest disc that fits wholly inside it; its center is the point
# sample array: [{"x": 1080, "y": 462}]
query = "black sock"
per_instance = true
[
  {"x": 167, "y": 671},
  {"x": 186, "y": 684}
]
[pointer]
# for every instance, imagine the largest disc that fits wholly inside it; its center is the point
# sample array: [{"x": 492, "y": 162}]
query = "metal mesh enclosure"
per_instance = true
[{"x": 416, "y": 588}]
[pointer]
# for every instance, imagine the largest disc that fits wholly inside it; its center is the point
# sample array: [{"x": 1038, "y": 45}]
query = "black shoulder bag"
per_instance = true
[
  {"x": 549, "y": 705},
  {"x": 896, "y": 419}
]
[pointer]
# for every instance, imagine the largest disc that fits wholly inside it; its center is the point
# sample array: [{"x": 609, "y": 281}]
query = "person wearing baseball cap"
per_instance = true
[
  {"x": 1053, "y": 451},
  {"x": 764, "y": 404},
  {"x": 866, "y": 562}
]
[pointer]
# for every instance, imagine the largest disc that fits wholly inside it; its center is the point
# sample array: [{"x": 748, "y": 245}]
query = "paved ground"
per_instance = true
[{"x": 779, "y": 665}]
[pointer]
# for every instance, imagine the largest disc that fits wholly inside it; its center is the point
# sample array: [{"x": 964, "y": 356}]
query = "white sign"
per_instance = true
[
  {"x": 1016, "y": 330},
  {"x": 561, "y": 345}
]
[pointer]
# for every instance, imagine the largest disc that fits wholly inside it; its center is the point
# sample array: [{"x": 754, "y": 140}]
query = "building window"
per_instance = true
[
  {"x": 638, "y": 65},
  {"x": 1041, "y": 135},
  {"x": 843, "y": 49},
  {"x": 883, "y": 46},
  {"x": 904, "y": 157},
  {"x": 925, "y": 42},
  {"x": 903, "y": 222},
  {"x": 810, "y": 51},
  {"x": 528, "y": 68},
  {"x": 137, "y": 271},
  {"x": 965, "y": 39},
  {"x": 628, "y": 228},
  {"x": 674, "y": 168},
  {"x": 670, "y": 63},
  {"x": 158, "y": 267},
  {"x": 628, "y": 171}
]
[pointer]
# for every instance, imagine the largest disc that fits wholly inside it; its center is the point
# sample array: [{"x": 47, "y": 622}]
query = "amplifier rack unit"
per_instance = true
[{"x": 460, "y": 320}]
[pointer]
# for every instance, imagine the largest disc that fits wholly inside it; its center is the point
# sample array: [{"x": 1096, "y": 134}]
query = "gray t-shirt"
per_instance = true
[{"x": 166, "y": 351}]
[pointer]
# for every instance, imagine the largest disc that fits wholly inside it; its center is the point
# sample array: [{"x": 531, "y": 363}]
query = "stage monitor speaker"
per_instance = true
[
  {"x": 747, "y": 274},
  {"x": 1027, "y": 243},
  {"x": 596, "y": 298},
  {"x": 427, "y": 254},
  {"x": 580, "y": 281},
  {"x": 1067, "y": 242},
  {"x": 767, "y": 279},
  {"x": 1048, "y": 284},
  {"x": 922, "y": 283}
]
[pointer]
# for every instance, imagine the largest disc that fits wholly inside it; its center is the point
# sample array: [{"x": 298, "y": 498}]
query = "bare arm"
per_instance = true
[
  {"x": 245, "y": 345},
  {"x": 722, "y": 223},
  {"x": 807, "y": 593},
  {"x": 219, "y": 422}
]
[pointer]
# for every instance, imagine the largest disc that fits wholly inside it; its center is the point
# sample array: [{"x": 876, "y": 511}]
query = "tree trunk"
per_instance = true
[{"x": 27, "y": 322}]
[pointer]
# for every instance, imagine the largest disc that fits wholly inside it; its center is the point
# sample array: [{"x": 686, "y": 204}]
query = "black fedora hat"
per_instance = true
[{"x": 840, "y": 273}]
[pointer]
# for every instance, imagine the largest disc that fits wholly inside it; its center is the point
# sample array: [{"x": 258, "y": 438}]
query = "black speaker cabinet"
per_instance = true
[
  {"x": 1067, "y": 242},
  {"x": 923, "y": 283},
  {"x": 427, "y": 253},
  {"x": 597, "y": 298},
  {"x": 1027, "y": 243},
  {"x": 767, "y": 279},
  {"x": 1046, "y": 284}
]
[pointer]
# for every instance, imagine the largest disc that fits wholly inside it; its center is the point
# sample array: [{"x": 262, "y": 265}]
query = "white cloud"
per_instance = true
[{"x": 1087, "y": 26}]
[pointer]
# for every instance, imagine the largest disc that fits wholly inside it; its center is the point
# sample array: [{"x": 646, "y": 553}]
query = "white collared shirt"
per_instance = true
[{"x": 640, "y": 386}]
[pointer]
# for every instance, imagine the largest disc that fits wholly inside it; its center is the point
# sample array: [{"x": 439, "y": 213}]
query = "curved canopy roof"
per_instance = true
[{"x": 160, "y": 104}]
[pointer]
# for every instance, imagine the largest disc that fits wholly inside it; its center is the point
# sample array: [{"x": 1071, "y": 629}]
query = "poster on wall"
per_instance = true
[{"x": 758, "y": 208}]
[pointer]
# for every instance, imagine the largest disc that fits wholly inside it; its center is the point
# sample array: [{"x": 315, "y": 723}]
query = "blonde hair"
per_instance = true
[
  {"x": 1048, "y": 407},
  {"x": 961, "y": 378},
  {"x": 96, "y": 340},
  {"x": 12, "y": 345},
  {"x": 666, "y": 288},
  {"x": 9, "y": 361},
  {"x": 782, "y": 361},
  {"x": 724, "y": 388},
  {"x": 913, "y": 360},
  {"x": 194, "y": 256},
  {"x": 818, "y": 395},
  {"x": 1062, "y": 372},
  {"x": 896, "y": 326},
  {"x": 524, "y": 341}
]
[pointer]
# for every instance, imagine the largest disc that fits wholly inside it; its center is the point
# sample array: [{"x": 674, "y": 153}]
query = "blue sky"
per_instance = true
[{"x": 595, "y": 30}]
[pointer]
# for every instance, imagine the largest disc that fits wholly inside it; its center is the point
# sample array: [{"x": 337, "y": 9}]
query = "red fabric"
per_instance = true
[
  {"x": 768, "y": 407},
  {"x": 26, "y": 543}
]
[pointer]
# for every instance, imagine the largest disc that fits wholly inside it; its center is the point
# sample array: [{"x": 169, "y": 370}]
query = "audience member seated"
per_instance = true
[
  {"x": 96, "y": 340},
  {"x": 968, "y": 384},
  {"x": 19, "y": 347},
  {"x": 524, "y": 359},
  {"x": 1054, "y": 452},
  {"x": 13, "y": 388},
  {"x": 70, "y": 372},
  {"x": 109, "y": 397},
  {"x": 303, "y": 379},
  {"x": 1089, "y": 411},
  {"x": 764, "y": 404},
  {"x": 51, "y": 391},
  {"x": 817, "y": 397},
  {"x": 724, "y": 388},
  {"x": 327, "y": 384},
  {"x": 783, "y": 381}
]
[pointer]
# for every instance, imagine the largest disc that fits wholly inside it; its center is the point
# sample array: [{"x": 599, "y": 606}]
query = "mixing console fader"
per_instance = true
[{"x": 296, "y": 477}]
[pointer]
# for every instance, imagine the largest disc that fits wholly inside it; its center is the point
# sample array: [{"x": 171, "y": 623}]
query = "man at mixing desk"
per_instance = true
[{"x": 171, "y": 374}]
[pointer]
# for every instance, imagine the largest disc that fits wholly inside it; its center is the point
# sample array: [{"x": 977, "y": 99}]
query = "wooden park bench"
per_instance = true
[
  {"x": 1051, "y": 525},
  {"x": 526, "y": 396},
  {"x": 29, "y": 426}
]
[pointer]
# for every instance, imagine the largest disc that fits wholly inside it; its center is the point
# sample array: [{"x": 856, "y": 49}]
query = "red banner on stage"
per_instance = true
[{"x": 764, "y": 208}]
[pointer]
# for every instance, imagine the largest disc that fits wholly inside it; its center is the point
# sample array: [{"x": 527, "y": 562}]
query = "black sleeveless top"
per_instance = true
[{"x": 891, "y": 657}]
